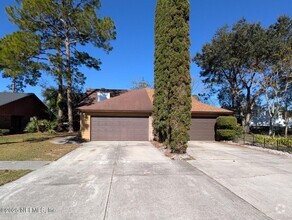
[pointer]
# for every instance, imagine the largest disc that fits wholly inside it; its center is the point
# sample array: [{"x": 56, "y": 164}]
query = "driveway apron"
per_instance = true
[{"x": 262, "y": 179}]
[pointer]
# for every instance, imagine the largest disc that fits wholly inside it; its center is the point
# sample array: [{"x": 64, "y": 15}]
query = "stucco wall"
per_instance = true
[
  {"x": 151, "y": 136},
  {"x": 85, "y": 126}
]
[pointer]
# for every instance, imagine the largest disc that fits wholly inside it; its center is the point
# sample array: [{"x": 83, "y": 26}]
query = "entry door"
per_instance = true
[{"x": 16, "y": 124}]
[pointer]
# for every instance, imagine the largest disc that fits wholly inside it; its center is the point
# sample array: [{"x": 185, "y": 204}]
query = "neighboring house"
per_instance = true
[
  {"x": 261, "y": 118},
  {"x": 97, "y": 95},
  {"x": 128, "y": 118},
  {"x": 16, "y": 109}
]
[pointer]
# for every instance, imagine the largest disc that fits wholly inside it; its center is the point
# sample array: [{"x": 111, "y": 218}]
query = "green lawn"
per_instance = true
[
  {"x": 16, "y": 138},
  {"x": 7, "y": 176},
  {"x": 34, "y": 146}
]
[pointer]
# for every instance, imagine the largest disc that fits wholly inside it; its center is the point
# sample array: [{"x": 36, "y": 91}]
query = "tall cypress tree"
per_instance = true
[
  {"x": 172, "y": 97},
  {"x": 160, "y": 109},
  {"x": 179, "y": 77}
]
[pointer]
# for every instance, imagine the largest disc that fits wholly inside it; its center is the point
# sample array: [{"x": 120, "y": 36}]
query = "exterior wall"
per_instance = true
[
  {"x": 110, "y": 114},
  {"x": 151, "y": 136},
  {"x": 85, "y": 126},
  {"x": 85, "y": 120},
  {"x": 5, "y": 122},
  {"x": 28, "y": 107},
  {"x": 23, "y": 109}
]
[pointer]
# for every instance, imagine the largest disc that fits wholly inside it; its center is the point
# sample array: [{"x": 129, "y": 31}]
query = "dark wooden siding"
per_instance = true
[
  {"x": 202, "y": 129},
  {"x": 5, "y": 122},
  {"x": 119, "y": 128},
  {"x": 22, "y": 109}
]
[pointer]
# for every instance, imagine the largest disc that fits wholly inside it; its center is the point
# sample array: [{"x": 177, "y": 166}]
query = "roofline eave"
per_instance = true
[{"x": 114, "y": 111}]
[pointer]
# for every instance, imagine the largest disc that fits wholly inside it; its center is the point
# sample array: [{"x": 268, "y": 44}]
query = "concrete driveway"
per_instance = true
[
  {"x": 262, "y": 179},
  {"x": 121, "y": 180}
]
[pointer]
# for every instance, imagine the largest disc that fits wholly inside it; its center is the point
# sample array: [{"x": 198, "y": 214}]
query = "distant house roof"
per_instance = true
[
  {"x": 142, "y": 101},
  {"x": 8, "y": 97}
]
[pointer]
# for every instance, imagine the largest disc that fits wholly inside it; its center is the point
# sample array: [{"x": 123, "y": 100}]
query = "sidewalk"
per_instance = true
[{"x": 22, "y": 165}]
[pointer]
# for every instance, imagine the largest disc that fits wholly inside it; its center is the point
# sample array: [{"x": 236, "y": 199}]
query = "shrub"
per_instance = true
[
  {"x": 47, "y": 126},
  {"x": 270, "y": 140},
  {"x": 226, "y": 122},
  {"x": 36, "y": 125},
  {"x": 225, "y": 135},
  {"x": 227, "y": 128},
  {"x": 4, "y": 131},
  {"x": 239, "y": 131},
  {"x": 32, "y": 126},
  {"x": 285, "y": 141}
]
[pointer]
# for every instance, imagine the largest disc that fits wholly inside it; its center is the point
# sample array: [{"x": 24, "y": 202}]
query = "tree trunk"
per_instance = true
[
  {"x": 286, "y": 123},
  {"x": 69, "y": 103},
  {"x": 247, "y": 117},
  {"x": 69, "y": 86},
  {"x": 271, "y": 127},
  {"x": 247, "y": 121},
  {"x": 60, "y": 101},
  {"x": 60, "y": 97},
  {"x": 13, "y": 85}
]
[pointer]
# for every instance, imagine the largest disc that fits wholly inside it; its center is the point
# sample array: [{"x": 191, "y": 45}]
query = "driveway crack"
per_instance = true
[
  {"x": 117, "y": 154},
  {"x": 226, "y": 188}
]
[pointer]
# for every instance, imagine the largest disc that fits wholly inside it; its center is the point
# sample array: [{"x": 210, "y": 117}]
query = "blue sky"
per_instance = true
[{"x": 133, "y": 54}]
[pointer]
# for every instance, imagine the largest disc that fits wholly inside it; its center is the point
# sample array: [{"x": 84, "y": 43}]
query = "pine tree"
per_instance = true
[
  {"x": 18, "y": 59},
  {"x": 64, "y": 26},
  {"x": 172, "y": 97}
]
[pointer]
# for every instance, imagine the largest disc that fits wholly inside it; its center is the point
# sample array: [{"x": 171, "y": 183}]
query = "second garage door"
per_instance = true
[
  {"x": 119, "y": 128},
  {"x": 202, "y": 129}
]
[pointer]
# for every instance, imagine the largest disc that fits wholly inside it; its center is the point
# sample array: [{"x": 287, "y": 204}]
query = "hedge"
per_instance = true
[
  {"x": 226, "y": 122},
  {"x": 225, "y": 134},
  {"x": 273, "y": 141}
]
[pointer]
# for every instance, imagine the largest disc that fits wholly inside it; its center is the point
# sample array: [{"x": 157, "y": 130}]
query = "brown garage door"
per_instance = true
[
  {"x": 119, "y": 129},
  {"x": 203, "y": 129}
]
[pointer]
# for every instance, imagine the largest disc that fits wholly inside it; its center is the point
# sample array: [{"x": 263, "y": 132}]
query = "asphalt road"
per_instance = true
[{"x": 121, "y": 180}]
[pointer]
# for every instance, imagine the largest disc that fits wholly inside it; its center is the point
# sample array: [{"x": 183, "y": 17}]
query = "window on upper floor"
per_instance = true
[{"x": 101, "y": 96}]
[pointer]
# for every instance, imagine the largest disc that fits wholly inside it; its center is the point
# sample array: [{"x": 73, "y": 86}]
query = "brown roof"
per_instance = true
[
  {"x": 132, "y": 101},
  {"x": 141, "y": 101},
  {"x": 90, "y": 96}
]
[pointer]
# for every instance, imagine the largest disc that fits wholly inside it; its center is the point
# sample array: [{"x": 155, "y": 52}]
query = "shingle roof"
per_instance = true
[
  {"x": 134, "y": 100},
  {"x": 91, "y": 95},
  {"x": 8, "y": 97},
  {"x": 141, "y": 101}
]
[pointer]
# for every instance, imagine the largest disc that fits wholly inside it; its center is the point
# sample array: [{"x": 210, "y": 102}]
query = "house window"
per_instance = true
[{"x": 102, "y": 96}]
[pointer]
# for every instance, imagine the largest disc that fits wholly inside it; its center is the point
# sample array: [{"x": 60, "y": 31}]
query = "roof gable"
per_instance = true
[
  {"x": 134, "y": 100},
  {"x": 8, "y": 97},
  {"x": 142, "y": 101},
  {"x": 90, "y": 96}
]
